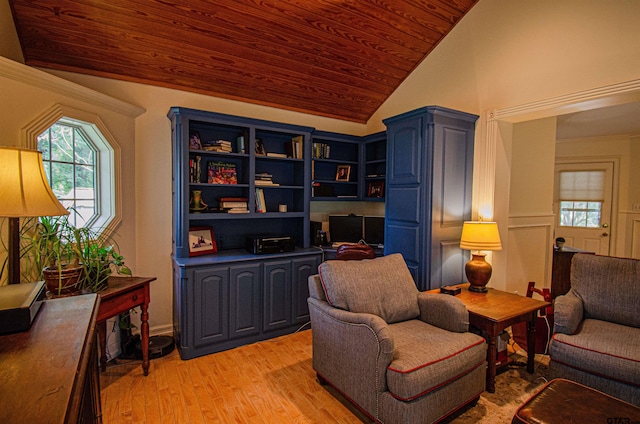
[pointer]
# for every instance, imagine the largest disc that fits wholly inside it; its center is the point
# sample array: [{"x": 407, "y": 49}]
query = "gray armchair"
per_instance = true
[
  {"x": 596, "y": 339},
  {"x": 399, "y": 355}
]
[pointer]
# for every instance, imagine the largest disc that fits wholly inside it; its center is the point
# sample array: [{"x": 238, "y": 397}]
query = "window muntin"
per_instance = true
[
  {"x": 580, "y": 214},
  {"x": 71, "y": 163}
]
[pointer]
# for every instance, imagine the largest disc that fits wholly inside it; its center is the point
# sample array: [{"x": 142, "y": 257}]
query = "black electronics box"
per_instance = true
[
  {"x": 270, "y": 244},
  {"x": 19, "y": 304}
]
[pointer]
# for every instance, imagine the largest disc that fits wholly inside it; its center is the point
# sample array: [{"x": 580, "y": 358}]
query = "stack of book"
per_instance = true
[
  {"x": 261, "y": 206},
  {"x": 218, "y": 146},
  {"x": 233, "y": 204},
  {"x": 194, "y": 169},
  {"x": 265, "y": 179},
  {"x": 222, "y": 173}
]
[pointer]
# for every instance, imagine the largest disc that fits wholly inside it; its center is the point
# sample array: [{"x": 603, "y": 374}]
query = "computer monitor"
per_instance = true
[
  {"x": 345, "y": 228},
  {"x": 374, "y": 230}
]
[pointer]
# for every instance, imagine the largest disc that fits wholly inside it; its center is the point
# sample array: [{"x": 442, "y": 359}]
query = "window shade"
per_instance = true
[{"x": 582, "y": 186}]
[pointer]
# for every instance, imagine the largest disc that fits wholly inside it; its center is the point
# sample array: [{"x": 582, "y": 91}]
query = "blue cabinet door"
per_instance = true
[
  {"x": 209, "y": 306},
  {"x": 303, "y": 268},
  {"x": 276, "y": 288},
  {"x": 244, "y": 300}
]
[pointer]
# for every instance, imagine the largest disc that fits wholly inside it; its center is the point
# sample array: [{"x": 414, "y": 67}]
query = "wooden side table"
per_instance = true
[
  {"x": 496, "y": 310},
  {"x": 123, "y": 294}
]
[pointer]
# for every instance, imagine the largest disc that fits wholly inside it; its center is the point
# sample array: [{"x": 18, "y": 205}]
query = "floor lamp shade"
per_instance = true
[
  {"x": 24, "y": 192},
  {"x": 479, "y": 236}
]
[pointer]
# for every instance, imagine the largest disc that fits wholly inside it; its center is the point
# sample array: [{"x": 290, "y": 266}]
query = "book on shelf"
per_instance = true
[
  {"x": 321, "y": 150},
  {"x": 236, "y": 210},
  {"x": 218, "y": 146},
  {"x": 261, "y": 206},
  {"x": 264, "y": 179},
  {"x": 293, "y": 148},
  {"x": 297, "y": 146},
  {"x": 233, "y": 199},
  {"x": 276, "y": 155},
  {"x": 222, "y": 173},
  {"x": 264, "y": 176},
  {"x": 230, "y": 205},
  {"x": 266, "y": 183},
  {"x": 194, "y": 169}
]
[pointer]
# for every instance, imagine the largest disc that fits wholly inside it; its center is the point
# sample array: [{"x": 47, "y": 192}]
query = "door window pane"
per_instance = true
[{"x": 580, "y": 214}]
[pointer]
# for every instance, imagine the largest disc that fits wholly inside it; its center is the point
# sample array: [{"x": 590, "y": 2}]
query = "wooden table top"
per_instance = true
[
  {"x": 497, "y": 305},
  {"x": 118, "y": 284},
  {"x": 39, "y": 368}
]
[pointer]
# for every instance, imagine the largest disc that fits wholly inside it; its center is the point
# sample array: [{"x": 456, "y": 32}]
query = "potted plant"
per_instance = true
[
  {"x": 55, "y": 255},
  {"x": 73, "y": 259}
]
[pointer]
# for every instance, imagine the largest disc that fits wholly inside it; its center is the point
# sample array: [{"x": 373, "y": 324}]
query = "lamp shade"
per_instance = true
[
  {"x": 24, "y": 190},
  {"x": 479, "y": 235}
]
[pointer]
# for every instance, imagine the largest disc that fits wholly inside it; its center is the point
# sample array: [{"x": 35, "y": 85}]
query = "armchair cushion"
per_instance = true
[
  {"x": 427, "y": 357},
  {"x": 603, "y": 348},
  {"x": 382, "y": 286}
]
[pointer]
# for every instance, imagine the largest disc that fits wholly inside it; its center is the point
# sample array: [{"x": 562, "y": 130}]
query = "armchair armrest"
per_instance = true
[
  {"x": 368, "y": 341},
  {"x": 568, "y": 312},
  {"x": 444, "y": 311}
]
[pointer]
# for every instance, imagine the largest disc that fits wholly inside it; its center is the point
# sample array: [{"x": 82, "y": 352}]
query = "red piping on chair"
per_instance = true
[{"x": 434, "y": 362}]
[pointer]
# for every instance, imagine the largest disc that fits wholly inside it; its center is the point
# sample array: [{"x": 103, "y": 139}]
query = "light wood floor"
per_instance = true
[{"x": 266, "y": 382}]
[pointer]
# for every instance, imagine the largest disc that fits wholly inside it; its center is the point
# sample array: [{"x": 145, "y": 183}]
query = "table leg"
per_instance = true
[
  {"x": 102, "y": 340},
  {"x": 145, "y": 338},
  {"x": 491, "y": 367},
  {"x": 531, "y": 344}
]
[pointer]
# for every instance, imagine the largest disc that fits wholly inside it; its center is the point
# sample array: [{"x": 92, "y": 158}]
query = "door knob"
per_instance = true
[
  {"x": 605, "y": 225},
  {"x": 605, "y": 234}
]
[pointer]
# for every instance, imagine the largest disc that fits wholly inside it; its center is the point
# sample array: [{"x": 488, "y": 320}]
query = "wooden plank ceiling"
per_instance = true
[{"x": 334, "y": 58}]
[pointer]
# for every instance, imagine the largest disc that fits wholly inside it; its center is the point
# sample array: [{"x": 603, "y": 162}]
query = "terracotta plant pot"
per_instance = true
[{"x": 63, "y": 282}]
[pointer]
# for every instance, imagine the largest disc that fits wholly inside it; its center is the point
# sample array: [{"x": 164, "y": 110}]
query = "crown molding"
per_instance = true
[{"x": 34, "y": 77}]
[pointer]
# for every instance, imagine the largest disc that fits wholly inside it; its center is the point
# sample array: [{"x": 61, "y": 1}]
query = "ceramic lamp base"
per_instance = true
[{"x": 478, "y": 272}]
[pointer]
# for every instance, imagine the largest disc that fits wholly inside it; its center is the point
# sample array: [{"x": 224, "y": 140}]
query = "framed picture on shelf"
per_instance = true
[
  {"x": 195, "y": 143},
  {"x": 343, "y": 172},
  {"x": 375, "y": 189},
  {"x": 260, "y": 150},
  {"x": 201, "y": 241}
]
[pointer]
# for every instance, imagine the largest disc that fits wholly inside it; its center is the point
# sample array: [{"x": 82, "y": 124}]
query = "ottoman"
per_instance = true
[{"x": 564, "y": 401}]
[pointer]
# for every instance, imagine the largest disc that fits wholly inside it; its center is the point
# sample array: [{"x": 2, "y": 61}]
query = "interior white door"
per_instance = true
[{"x": 581, "y": 233}]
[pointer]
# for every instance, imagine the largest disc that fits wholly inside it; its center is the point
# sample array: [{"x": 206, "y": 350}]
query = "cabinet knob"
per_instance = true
[{"x": 135, "y": 297}]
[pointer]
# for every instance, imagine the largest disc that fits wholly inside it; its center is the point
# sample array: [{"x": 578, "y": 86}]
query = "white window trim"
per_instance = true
[{"x": 109, "y": 204}]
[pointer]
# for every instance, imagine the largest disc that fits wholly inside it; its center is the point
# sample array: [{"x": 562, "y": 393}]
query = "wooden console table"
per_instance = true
[
  {"x": 496, "y": 310},
  {"x": 123, "y": 294},
  {"x": 49, "y": 374}
]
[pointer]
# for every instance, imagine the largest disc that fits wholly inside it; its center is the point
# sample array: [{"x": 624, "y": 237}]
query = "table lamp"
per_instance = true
[
  {"x": 24, "y": 192},
  {"x": 478, "y": 236}
]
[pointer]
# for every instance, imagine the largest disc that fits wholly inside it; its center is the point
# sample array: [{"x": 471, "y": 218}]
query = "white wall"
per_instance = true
[
  {"x": 530, "y": 233},
  {"x": 502, "y": 54}
]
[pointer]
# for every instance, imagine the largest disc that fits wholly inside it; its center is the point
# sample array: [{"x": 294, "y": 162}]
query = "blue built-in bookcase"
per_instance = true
[{"x": 228, "y": 296}]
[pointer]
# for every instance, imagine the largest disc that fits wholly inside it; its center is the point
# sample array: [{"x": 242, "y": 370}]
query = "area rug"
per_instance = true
[{"x": 514, "y": 385}]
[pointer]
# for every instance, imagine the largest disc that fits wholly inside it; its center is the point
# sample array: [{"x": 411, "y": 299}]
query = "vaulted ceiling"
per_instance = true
[{"x": 334, "y": 58}]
